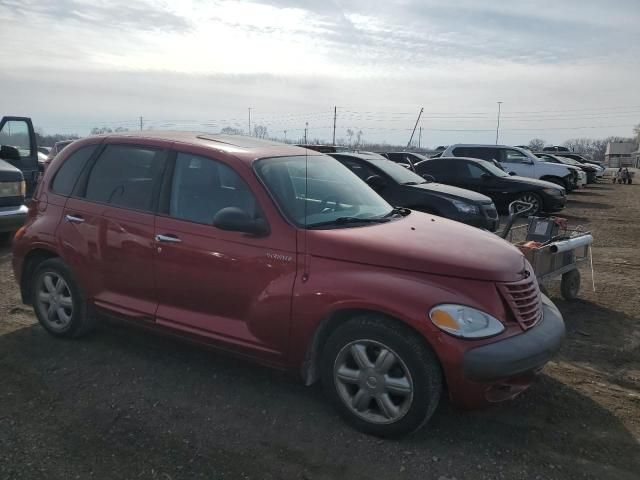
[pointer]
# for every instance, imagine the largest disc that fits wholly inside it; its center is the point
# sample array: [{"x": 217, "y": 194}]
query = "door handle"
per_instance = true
[
  {"x": 167, "y": 238},
  {"x": 74, "y": 219}
]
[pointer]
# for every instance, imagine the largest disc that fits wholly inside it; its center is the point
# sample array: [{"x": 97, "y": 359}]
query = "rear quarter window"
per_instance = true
[{"x": 69, "y": 172}]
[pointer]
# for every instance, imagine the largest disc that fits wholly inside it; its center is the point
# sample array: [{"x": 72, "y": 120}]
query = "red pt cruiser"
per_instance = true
[{"x": 284, "y": 256}]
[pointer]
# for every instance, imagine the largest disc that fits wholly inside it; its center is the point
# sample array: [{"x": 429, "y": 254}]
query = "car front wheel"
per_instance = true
[
  {"x": 381, "y": 377},
  {"x": 533, "y": 199}
]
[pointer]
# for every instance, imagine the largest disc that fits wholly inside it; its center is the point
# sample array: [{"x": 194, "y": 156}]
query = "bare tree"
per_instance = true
[
  {"x": 260, "y": 131},
  {"x": 231, "y": 131},
  {"x": 537, "y": 144},
  {"x": 350, "y": 134},
  {"x": 358, "y": 137}
]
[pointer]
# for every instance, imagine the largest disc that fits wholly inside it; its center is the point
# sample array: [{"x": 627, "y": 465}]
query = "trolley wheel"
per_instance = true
[{"x": 570, "y": 285}]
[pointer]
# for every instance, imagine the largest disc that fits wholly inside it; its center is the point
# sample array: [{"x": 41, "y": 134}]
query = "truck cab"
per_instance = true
[{"x": 19, "y": 171}]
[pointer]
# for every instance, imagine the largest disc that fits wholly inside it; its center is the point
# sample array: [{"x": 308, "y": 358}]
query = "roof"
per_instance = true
[
  {"x": 243, "y": 147},
  {"x": 362, "y": 155},
  {"x": 620, "y": 148}
]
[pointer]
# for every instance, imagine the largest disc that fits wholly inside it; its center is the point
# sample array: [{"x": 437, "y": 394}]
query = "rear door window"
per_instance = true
[
  {"x": 483, "y": 153},
  {"x": 68, "y": 173},
  {"x": 514, "y": 156},
  {"x": 360, "y": 169},
  {"x": 127, "y": 176}
]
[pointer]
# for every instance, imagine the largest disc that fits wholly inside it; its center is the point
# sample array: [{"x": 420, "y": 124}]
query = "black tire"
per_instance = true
[
  {"x": 570, "y": 285},
  {"x": 81, "y": 321},
  {"x": 534, "y": 199},
  {"x": 414, "y": 355}
]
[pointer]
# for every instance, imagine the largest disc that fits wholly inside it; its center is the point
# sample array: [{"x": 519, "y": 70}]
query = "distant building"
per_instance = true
[{"x": 620, "y": 154}]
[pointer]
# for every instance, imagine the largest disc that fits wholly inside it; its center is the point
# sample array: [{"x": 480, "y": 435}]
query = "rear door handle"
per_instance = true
[
  {"x": 74, "y": 219},
  {"x": 167, "y": 238}
]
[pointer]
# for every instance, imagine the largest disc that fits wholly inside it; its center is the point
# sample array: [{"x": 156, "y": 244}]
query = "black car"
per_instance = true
[
  {"x": 484, "y": 177},
  {"x": 406, "y": 159},
  {"x": 403, "y": 188}
]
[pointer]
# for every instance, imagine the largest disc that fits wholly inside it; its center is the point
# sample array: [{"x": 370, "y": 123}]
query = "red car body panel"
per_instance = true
[{"x": 265, "y": 297}]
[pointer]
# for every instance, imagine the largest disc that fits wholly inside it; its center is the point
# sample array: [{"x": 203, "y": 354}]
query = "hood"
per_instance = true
[
  {"x": 448, "y": 190},
  {"x": 535, "y": 181},
  {"x": 561, "y": 169},
  {"x": 423, "y": 243},
  {"x": 9, "y": 173}
]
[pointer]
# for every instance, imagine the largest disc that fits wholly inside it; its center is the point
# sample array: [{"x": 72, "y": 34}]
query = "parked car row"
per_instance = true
[{"x": 290, "y": 258}]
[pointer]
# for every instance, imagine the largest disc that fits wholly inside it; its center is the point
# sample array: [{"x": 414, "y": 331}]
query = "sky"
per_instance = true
[{"x": 561, "y": 68}]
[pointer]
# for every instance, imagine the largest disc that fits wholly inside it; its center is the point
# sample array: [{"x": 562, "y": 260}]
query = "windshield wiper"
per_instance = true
[
  {"x": 398, "y": 211},
  {"x": 348, "y": 220},
  {"x": 413, "y": 183}
]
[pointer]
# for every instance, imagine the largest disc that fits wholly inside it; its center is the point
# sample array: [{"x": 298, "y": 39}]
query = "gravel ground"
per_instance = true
[{"x": 126, "y": 404}]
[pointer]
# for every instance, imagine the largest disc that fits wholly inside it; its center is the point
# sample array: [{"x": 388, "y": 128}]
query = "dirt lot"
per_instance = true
[{"x": 124, "y": 404}]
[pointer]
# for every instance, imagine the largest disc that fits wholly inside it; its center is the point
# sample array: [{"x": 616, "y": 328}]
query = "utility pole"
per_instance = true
[
  {"x": 306, "y": 127},
  {"x": 141, "y": 124},
  {"x": 498, "y": 125},
  {"x": 420, "y": 138},
  {"x": 414, "y": 128},
  {"x": 285, "y": 136},
  {"x": 335, "y": 116},
  {"x": 249, "y": 121}
]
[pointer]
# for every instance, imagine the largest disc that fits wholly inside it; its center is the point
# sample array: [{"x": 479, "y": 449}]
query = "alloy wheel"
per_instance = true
[
  {"x": 373, "y": 381},
  {"x": 533, "y": 200},
  {"x": 54, "y": 301}
]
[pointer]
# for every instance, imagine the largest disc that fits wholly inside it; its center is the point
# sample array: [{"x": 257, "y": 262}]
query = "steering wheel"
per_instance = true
[{"x": 324, "y": 205}]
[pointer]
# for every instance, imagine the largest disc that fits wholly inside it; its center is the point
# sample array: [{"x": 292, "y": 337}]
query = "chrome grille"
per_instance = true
[{"x": 523, "y": 297}]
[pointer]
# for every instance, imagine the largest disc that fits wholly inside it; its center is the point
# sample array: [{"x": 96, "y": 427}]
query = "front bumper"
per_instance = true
[
  {"x": 520, "y": 354},
  {"x": 12, "y": 218},
  {"x": 553, "y": 204}
]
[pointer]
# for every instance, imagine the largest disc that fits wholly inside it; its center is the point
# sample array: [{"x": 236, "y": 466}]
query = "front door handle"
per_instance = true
[
  {"x": 167, "y": 238},
  {"x": 74, "y": 219}
]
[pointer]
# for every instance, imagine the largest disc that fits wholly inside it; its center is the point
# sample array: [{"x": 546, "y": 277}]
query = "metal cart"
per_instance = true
[{"x": 553, "y": 249}]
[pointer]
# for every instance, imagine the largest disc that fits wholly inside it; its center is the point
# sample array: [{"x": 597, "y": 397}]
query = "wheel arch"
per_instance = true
[
  {"x": 310, "y": 367},
  {"x": 31, "y": 261}
]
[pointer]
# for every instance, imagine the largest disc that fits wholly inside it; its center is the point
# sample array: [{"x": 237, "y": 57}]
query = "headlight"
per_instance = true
[
  {"x": 12, "y": 189},
  {"x": 465, "y": 207},
  {"x": 553, "y": 191},
  {"x": 465, "y": 322}
]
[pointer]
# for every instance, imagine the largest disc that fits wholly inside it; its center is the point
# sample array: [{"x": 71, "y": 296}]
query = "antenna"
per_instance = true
[
  {"x": 414, "y": 128},
  {"x": 305, "y": 250}
]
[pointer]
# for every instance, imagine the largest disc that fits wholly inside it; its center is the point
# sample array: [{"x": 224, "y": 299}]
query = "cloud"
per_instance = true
[{"x": 110, "y": 15}]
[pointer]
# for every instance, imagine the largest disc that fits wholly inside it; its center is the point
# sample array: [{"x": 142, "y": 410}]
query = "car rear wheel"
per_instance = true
[
  {"x": 380, "y": 376},
  {"x": 58, "y": 302},
  {"x": 535, "y": 201}
]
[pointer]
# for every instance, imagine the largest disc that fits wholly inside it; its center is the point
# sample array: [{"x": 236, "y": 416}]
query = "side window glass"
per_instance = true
[
  {"x": 474, "y": 171},
  {"x": 514, "y": 156},
  {"x": 15, "y": 133},
  {"x": 69, "y": 171},
  {"x": 127, "y": 176},
  {"x": 201, "y": 187}
]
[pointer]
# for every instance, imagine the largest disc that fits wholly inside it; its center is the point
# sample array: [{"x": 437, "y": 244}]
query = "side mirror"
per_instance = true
[
  {"x": 513, "y": 174},
  {"x": 234, "y": 219},
  {"x": 376, "y": 182},
  {"x": 9, "y": 153},
  {"x": 486, "y": 176},
  {"x": 429, "y": 178}
]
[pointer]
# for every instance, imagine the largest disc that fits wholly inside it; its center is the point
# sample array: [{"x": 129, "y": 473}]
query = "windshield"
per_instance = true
[
  {"x": 397, "y": 172},
  {"x": 493, "y": 169},
  {"x": 329, "y": 191}
]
